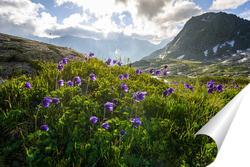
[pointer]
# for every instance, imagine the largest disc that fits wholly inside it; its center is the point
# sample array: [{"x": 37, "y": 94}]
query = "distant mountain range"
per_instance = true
[
  {"x": 208, "y": 37},
  {"x": 124, "y": 46}
]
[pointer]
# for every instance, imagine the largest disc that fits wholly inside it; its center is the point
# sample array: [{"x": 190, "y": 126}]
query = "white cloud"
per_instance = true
[
  {"x": 226, "y": 4},
  {"x": 150, "y": 19},
  {"x": 76, "y": 19},
  {"x": 245, "y": 15},
  {"x": 22, "y": 15}
]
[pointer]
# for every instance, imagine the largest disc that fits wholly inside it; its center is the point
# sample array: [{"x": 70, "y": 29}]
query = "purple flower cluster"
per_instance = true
[
  {"x": 46, "y": 101},
  {"x": 108, "y": 61},
  {"x": 168, "y": 92},
  {"x": 211, "y": 87}
]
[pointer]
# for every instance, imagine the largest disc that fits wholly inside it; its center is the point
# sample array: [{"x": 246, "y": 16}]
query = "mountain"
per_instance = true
[
  {"x": 209, "y": 36},
  {"x": 123, "y": 46}
]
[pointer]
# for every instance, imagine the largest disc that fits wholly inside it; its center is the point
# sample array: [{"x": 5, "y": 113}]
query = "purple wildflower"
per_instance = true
[
  {"x": 136, "y": 122},
  {"x": 151, "y": 71},
  {"x": 77, "y": 81},
  {"x": 27, "y": 85},
  {"x": 69, "y": 83},
  {"x": 122, "y": 132},
  {"x": 108, "y": 61},
  {"x": 92, "y": 76},
  {"x": 60, "y": 82},
  {"x": 219, "y": 88},
  {"x": 93, "y": 119},
  {"x": 187, "y": 86},
  {"x": 91, "y": 54},
  {"x": 112, "y": 89},
  {"x": 46, "y": 101},
  {"x": 126, "y": 76},
  {"x": 210, "y": 90},
  {"x": 165, "y": 73},
  {"x": 121, "y": 77},
  {"x": 165, "y": 67},
  {"x": 105, "y": 125},
  {"x": 86, "y": 58},
  {"x": 130, "y": 64},
  {"x": 115, "y": 101},
  {"x": 114, "y": 61},
  {"x": 165, "y": 93},
  {"x": 109, "y": 106},
  {"x": 124, "y": 87},
  {"x": 65, "y": 60},
  {"x": 158, "y": 72},
  {"x": 119, "y": 64},
  {"x": 191, "y": 88},
  {"x": 44, "y": 127},
  {"x": 138, "y": 71},
  {"x": 170, "y": 90},
  {"x": 55, "y": 100},
  {"x": 139, "y": 96},
  {"x": 60, "y": 67}
]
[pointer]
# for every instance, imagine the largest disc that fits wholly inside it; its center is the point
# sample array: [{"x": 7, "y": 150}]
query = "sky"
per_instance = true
[{"x": 152, "y": 20}]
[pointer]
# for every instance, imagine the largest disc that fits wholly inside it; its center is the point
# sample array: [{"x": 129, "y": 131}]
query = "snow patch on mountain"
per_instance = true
[
  {"x": 180, "y": 57},
  {"x": 206, "y": 53},
  {"x": 242, "y": 60},
  {"x": 231, "y": 43},
  {"x": 215, "y": 49}
]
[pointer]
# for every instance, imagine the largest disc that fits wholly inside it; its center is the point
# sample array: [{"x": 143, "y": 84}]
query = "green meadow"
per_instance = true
[{"x": 165, "y": 136}]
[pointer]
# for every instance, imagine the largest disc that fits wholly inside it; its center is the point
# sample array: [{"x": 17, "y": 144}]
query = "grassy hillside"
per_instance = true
[{"x": 163, "y": 135}]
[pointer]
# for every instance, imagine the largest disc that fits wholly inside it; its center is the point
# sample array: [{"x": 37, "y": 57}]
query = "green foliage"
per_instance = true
[{"x": 164, "y": 138}]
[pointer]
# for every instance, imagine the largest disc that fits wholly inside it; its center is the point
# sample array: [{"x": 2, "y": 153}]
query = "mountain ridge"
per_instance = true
[{"x": 209, "y": 36}]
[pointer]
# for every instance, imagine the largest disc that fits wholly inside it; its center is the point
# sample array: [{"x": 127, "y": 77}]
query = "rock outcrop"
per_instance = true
[{"x": 17, "y": 54}]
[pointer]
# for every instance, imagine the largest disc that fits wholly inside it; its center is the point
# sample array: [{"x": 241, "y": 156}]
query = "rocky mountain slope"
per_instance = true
[
  {"x": 16, "y": 54},
  {"x": 236, "y": 65},
  {"x": 210, "y": 36}
]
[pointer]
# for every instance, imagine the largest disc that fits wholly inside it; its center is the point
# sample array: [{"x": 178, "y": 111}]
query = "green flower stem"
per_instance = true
[
  {"x": 132, "y": 110},
  {"x": 87, "y": 86},
  {"x": 56, "y": 80}
]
